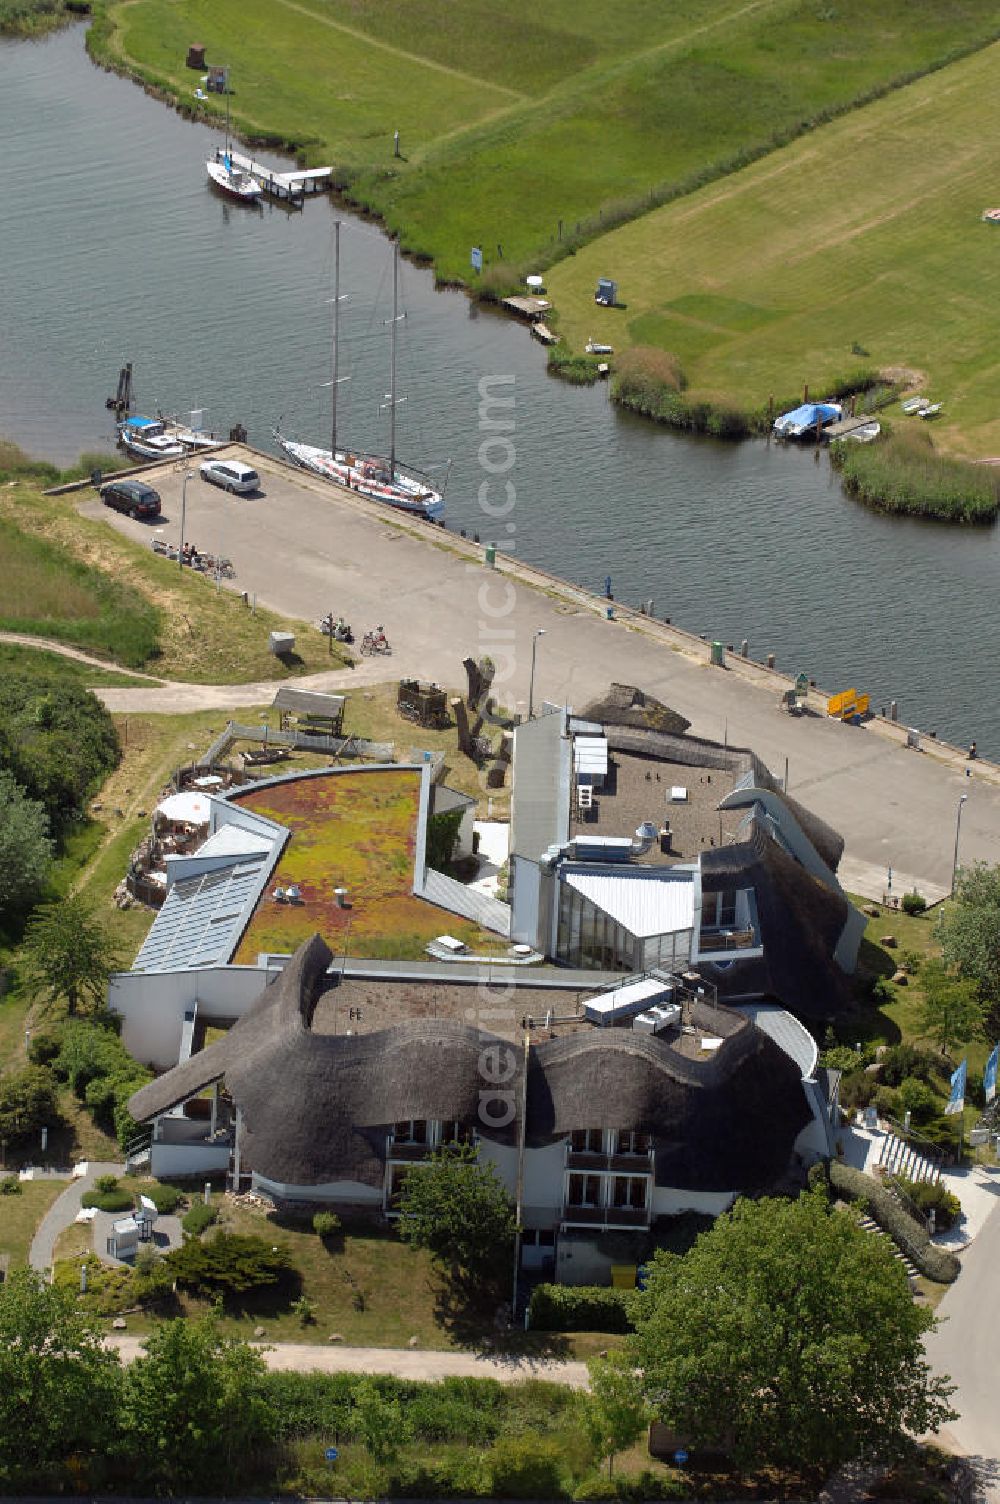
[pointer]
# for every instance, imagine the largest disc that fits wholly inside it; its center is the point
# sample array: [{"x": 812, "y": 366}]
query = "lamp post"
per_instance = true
[
  {"x": 958, "y": 831},
  {"x": 531, "y": 683},
  {"x": 184, "y": 497}
]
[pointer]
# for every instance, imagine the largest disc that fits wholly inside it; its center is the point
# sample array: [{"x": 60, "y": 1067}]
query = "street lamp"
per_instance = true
[
  {"x": 184, "y": 496},
  {"x": 958, "y": 829},
  {"x": 531, "y": 683}
]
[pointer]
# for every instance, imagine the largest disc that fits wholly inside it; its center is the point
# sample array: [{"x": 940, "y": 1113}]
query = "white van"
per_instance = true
[{"x": 231, "y": 475}]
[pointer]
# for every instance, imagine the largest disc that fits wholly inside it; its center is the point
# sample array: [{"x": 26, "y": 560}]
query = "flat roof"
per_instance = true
[{"x": 638, "y": 789}]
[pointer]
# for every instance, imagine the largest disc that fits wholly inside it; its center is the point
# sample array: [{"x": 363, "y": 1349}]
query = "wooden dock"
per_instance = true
[
  {"x": 528, "y": 308},
  {"x": 287, "y": 187},
  {"x": 848, "y": 426},
  {"x": 544, "y": 333}
]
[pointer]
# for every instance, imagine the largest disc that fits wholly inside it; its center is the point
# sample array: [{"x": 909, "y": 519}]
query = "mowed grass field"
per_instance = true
[
  {"x": 866, "y": 233},
  {"x": 513, "y": 118}
]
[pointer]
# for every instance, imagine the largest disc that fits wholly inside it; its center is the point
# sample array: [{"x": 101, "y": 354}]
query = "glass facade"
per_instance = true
[{"x": 588, "y": 938}]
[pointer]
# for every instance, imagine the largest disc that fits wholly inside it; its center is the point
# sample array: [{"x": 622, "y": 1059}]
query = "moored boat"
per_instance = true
[
  {"x": 805, "y": 420},
  {"x": 232, "y": 180},
  {"x": 147, "y": 439}
]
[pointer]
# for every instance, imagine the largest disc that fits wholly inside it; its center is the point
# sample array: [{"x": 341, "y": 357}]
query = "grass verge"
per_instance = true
[{"x": 21, "y": 1214}]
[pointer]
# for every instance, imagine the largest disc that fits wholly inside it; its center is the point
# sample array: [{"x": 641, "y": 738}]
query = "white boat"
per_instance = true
[
  {"x": 192, "y": 436},
  {"x": 931, "y": 410},
  {"x": 235, "y": 182},
  {"x": 382, "y": 478},
  {"x": 915, "y": 405},
  {"x": 147, "y": 439},
  {"x": 232, "y": 180},
  {"x": 594, "y": 347},
  {"x": 865, "y": 433}
]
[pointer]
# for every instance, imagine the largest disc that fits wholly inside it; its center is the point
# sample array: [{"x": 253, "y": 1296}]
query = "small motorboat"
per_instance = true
[
  {"x": 232, "y": 180},
  {"x": 147, "y": 439},
  {"x": 866, "y": 433},
  {"x": 803, "y": 421},
  {"x": 931, "y": 410},
  {"x": 594, "y": 347}
]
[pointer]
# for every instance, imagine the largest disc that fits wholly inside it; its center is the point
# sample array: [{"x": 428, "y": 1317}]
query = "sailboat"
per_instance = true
[
  {"x": 383, "y": 479},
  {"x": 231, "y": 180}
]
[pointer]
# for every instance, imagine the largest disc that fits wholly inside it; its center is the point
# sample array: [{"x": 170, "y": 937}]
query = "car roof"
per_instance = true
[
  {"x": 236, "y": 465},
  {"x": 136, "y": 487}
]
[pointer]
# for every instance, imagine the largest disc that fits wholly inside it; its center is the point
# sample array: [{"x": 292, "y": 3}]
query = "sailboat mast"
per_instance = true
[
  {"x": 336, "y": 333},
  {"x": 392, "y": 361}
]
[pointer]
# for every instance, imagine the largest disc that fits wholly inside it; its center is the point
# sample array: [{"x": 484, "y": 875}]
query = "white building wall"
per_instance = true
[
  {"x": 351, "y": 1192},
  {"x": 525, "y": 901},
  {"x": 669, "y": 1201},
  {"x": 167, "y": 1160},
  {"x": 152, "y": 1005},
  {"x": 543, "y": 1178}
]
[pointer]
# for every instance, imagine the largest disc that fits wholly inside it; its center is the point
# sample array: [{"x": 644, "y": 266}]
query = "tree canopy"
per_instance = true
[
  {"x": 953, "y": 1010},
  {"x": 459, "y": 1210},
  {"x": 58, "y": 741},
  {"x": 58, "y": 1383},
  {"x": 25, "y": 847},
  {"x": 27, "y": 1102},
  {"x": 70, "y": 953},
  {"x": 968, "y": 929},
  {"x": 786, "y": 1335}
]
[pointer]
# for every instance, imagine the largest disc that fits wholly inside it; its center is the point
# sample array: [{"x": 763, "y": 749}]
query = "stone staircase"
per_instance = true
[
  {"x": 911, "y": 1269},
  {"x": 902, "y": 1157}
]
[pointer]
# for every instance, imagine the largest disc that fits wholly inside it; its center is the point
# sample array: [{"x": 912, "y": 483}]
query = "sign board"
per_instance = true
[
  {"x": 871, "y": 1117},
  {"x": 802, "y": 684},
  {"x": 680, "y": 1457},
  {"x": 331, "y": 1454},
  {"x": 476, "y": 258},
  {"x": 978, "y": 1137},
  {"x": 847, "y": 704}
]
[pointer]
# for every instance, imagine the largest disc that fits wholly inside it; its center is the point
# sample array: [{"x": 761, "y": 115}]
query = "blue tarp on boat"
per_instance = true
[
  {"x": 139, "y": 425},
  {"x": 801, "y": 419}
]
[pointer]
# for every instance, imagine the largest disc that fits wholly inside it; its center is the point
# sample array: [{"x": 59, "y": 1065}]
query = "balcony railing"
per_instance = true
[
  {"x": 409, "y": 1152},
  {"x": 605, "y": 1216},
  {"x": 727, "y": 939}
]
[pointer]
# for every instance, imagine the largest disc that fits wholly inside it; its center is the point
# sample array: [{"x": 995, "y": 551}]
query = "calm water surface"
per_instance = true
[{"x": 113, "y": 247}]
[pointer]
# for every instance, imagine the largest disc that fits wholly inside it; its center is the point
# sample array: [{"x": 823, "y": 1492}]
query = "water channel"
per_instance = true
[{"x": 113, "y": 248}]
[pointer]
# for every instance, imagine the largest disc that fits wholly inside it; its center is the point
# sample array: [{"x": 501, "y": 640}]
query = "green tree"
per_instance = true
[
  {"x": 459, "y": 1210},
  {"x": 70, "y": 953},
  {"x": 968, "y": 929},
  {"x": 58, "y": 1383},
  {"x": 953, "y": 1010},
  {"x": 616, "y": 1412},
  {"x": 228, "y": 1264},
  {"x": 193, "y": 1412},
  {"x": 27, "y": 1101},
  {"x": 25, "y": 848},
  {"x": 380, "y": 1423},
  {"x": 786, "y": 1335}
]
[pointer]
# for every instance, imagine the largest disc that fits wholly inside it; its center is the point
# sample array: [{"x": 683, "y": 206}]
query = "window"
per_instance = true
[
  {"x": 584, "y": 1190},
  {"x": 629, "y": 1141},
  {"x": 454, "y": 1132},
  {"x": 410, "y": 1131},
  {"x": 718, "y": 910},
  {"x": 587, "y": 1140},
  {"x": 629, "y": 1191}
]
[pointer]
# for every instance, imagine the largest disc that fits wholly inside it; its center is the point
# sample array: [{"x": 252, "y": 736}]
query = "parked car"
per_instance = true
[
  {"x": 131, "y": 496},
  {"x": 231, "y": 475}
]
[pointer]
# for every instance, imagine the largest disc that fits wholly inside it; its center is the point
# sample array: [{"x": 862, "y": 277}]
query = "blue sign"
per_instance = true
[
  {"x": 476, "y": 258},
  {"x": 956, "y": 1099},
  {"x": 990, "y": 1074},
  {"x": 331, "y": 1454},
  {"x": 680, "y": 1457}
]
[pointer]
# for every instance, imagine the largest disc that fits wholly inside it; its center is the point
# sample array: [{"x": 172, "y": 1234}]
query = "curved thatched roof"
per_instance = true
[
  {"x": 625, "y": 705},
  {"x": 720, "y": 1123},
  {"x": 801, "y": 920},
  {"x": 315, "y": 1108}
]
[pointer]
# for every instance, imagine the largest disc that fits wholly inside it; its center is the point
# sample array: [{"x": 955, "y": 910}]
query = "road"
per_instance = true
[
  {"x": 404, "y": 1363},
  {"x": 966, "y": 1345},
  {"x": 305, "y": 548}
]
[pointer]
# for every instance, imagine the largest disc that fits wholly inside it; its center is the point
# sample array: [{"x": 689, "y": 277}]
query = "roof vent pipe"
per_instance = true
[{"x": 643, "y": 838}]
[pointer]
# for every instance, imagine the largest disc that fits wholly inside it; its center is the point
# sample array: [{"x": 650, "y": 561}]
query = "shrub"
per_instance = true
[
  {"x": 43, "y": 1049},
  {"x": 119, "y": 1200},
  {"x": 857, "y": 1090},
  {"x": 579, "y": 1308},
  {"x": 916, "y": 1097},
  {"x": 198, "y": 1218},
  {"x": 525, "y": 1467},
  {"x": 326, "y": 1224},
  {"x": 105, "y": 1183},
  {"x": 926, "y": 1196},
  {"x": 903, "y": 1060},
  {"x": 914, "y": 903},
  {"x": 228, "y": 1264},
  {"x": 166, "y": 1198},
  {"x": 844, "y": 1059},
  {"x": 882, "y": 992},
  {"x": 909, "y": 1235},
  {"x": 10, "y": 1185},
  {"x": 305, "y": 1310}
]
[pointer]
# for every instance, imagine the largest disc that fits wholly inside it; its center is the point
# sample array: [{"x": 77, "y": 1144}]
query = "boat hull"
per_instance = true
[
  {"x": 234, "y": 184},
  {"x": 405, "y": 492}
]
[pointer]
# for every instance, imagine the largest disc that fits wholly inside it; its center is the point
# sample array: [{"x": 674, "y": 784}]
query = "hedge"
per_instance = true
[
  {"x": 579, "y": 1308},
  {"x": 198, "y": 1218},
  {"x": 910, "y": 1236}
]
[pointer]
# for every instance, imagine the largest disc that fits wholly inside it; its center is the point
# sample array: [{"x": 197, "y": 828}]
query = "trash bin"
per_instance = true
[
  {"x": 718, "y": 661},
  {"x": 491, "y": 556}
]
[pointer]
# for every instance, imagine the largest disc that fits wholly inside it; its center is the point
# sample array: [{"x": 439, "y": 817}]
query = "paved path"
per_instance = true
[
  {"x": 966, "y": 1345},
  {"x": 305, "y": 549},
  {"x": 62, "y": 1214},
  {"x": 404, "y": 1363}
]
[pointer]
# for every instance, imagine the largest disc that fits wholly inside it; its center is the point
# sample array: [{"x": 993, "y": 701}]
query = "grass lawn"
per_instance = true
[
  {"x": 20, "y": 1216},
  {"x": 80, "y": 581},
  {"x": 865, "y": 234},
  {"x": 15, "y": 659},
  {"x": 356, "y": 831}
]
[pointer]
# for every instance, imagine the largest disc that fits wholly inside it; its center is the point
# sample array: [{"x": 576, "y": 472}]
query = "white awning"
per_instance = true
[{"x": 184, "y": 809}]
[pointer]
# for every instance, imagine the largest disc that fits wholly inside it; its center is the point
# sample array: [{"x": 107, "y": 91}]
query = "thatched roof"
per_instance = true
[
  {"x": 625, "y": 705},
  {"x": 315, "y": 1108},
  {"x": 801, "y": 920}
]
